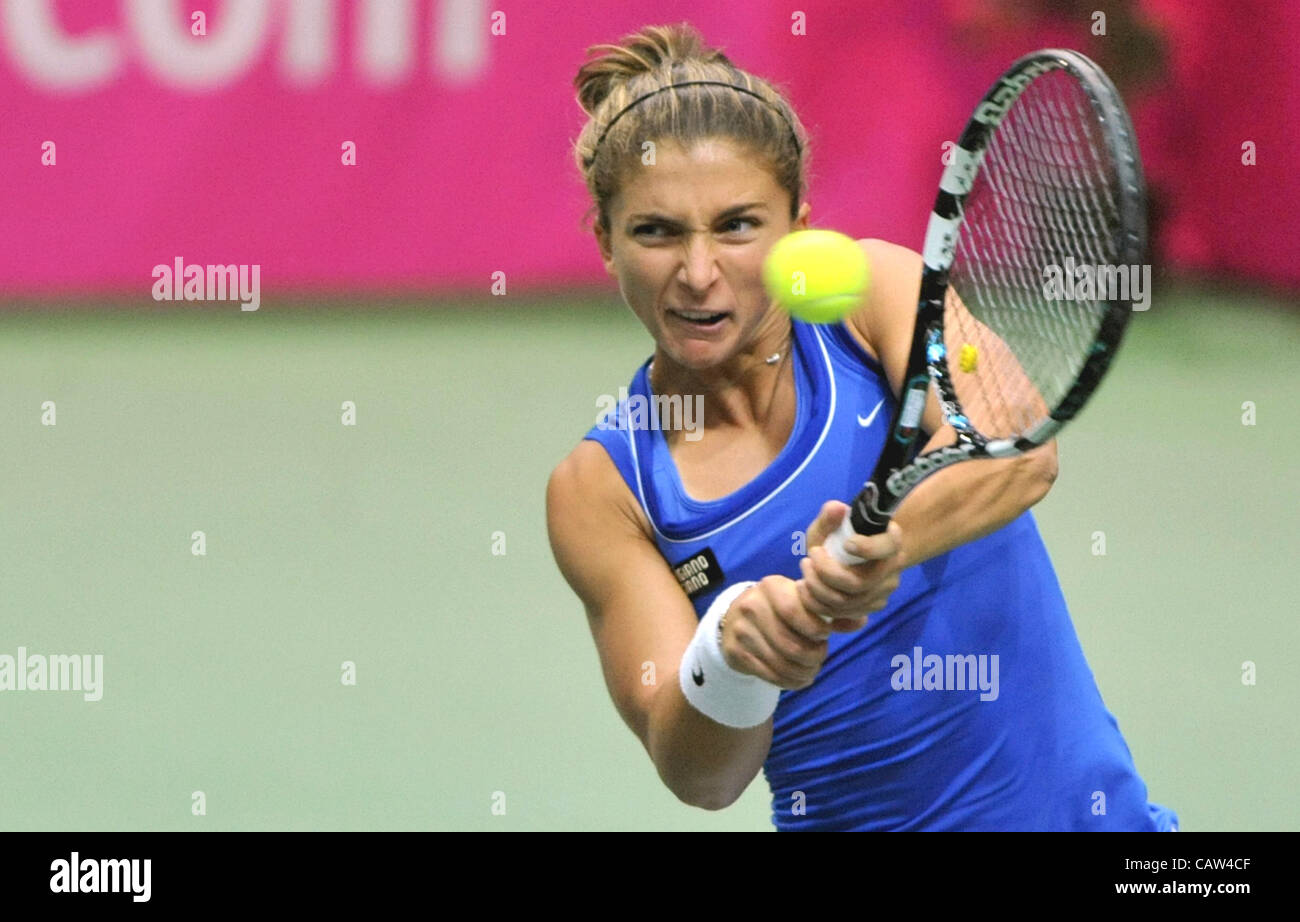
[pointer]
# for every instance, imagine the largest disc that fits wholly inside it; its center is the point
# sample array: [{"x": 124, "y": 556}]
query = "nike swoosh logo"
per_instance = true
[
  {"x": 864, "y": 423},
  {"x": 698, "y": 675}
]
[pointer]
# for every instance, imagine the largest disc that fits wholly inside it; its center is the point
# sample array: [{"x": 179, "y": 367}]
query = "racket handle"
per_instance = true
[
  {"x": 866, "y": 516},
  {"x": 835, "y": 546},
  {"x": 835, "y": 542}
]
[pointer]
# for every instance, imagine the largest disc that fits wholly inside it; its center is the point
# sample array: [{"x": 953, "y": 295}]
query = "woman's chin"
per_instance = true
[{"x": 698, "y": 354}]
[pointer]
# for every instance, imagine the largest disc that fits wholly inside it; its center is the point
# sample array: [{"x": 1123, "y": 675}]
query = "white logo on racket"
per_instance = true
[{"x": 864, "y": 423}]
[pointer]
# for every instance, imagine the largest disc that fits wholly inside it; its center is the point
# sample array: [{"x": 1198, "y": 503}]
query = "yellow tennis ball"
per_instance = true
[
  {"x": 968, "y": 358},
  {"x": 817, "y": 275}
]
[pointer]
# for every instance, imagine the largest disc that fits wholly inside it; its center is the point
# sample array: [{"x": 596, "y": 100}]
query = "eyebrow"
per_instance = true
[{"x": 733, "y": 210}]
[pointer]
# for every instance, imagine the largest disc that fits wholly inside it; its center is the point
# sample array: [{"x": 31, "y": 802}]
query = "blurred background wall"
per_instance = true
[
  {"x": 228, "y": 147},
  {"x": 365, "y": 457}
]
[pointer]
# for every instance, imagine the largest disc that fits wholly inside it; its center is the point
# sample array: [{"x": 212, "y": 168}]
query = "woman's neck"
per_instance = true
[{"x": 740, "y": 391}]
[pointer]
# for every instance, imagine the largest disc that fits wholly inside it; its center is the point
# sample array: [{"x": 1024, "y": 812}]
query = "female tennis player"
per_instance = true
[{"x": 939, "y": 684}]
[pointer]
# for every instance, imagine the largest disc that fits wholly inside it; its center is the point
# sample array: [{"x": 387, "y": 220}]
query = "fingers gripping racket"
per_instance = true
[{"x": 1044, "y": 189}]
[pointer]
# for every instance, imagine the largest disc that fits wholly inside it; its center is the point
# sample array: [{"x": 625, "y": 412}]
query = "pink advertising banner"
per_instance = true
[{"x": 413, "y": 145}]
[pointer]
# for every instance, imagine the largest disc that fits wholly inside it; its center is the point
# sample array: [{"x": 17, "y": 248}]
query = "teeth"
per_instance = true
[{"x": 697, "y": 315}]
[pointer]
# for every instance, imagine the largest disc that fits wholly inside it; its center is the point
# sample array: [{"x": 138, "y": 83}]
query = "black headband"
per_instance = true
[{"x": 740, "y": 89}]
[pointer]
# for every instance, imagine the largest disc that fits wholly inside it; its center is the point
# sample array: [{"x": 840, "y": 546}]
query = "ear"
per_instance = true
[
  {"x": 606, "y": 251},
  {"x": 801, "y": 220}
]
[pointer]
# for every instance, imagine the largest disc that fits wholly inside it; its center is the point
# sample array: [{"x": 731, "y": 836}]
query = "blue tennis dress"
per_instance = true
[{"x": 965, "y": 704}]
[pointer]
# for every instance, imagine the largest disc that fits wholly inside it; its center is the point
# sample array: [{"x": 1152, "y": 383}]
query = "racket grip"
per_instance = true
[
  {"x": 835, "y": 547},
  {"x": 835, "y": 542}
]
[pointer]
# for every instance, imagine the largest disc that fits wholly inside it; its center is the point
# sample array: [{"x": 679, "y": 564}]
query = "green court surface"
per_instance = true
[{"x": 475, "y": 671}]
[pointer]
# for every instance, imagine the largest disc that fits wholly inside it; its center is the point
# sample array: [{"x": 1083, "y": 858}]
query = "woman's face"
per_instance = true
[{"x": 687, "y": 239}]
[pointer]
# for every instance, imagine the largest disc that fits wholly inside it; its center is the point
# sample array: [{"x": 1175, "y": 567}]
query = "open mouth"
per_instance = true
[{"x": 700, "y": 318}]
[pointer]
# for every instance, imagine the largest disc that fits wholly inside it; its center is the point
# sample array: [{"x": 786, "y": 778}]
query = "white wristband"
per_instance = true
[{"x": 715, "y": 689}]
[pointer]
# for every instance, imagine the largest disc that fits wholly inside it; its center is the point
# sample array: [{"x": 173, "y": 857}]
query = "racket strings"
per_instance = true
[{"x": 1043, "y": 213}]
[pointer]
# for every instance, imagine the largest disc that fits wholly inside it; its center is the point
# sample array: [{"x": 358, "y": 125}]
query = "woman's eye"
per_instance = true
[{"x": 658, "y": 230}]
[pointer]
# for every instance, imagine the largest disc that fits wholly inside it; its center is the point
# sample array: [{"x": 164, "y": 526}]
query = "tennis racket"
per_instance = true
[{"x": 1045, "y": 183}]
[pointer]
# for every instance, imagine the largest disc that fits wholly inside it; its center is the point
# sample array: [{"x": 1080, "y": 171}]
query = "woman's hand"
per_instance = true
[
  {"x": 849, "y": 593},
  {"x": 777, "y": 630},
  {"x": 767, "y": 632}
]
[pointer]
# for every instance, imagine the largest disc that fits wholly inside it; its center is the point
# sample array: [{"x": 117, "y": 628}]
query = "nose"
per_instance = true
[{"x": 699, "y": 262}]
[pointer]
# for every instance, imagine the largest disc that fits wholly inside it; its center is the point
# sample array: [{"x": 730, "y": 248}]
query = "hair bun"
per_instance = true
[{"x": 654, "y": 48}]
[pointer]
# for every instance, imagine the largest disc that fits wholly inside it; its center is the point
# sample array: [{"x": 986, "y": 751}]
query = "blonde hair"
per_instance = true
[{"x": 656, "y": 57}]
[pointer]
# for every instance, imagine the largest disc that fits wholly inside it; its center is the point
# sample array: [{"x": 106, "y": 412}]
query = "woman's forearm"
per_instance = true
[
  {"x": 704, "y": 763},
  {"x": 969, "y": 500}
]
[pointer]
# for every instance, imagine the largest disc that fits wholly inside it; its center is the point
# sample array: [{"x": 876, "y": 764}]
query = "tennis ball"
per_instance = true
[{"x": 817, "y": 275}]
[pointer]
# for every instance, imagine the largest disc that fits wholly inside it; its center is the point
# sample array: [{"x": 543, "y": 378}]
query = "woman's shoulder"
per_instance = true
[
  {"x": 882, "y": 326},
  {"x": 887, "y": 250},
  {"x": 586, "y": 484},
  {"x": 895, "y": 273}
]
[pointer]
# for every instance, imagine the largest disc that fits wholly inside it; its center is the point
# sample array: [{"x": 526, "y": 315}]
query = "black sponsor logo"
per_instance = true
[{"x": 699, "y": 573}]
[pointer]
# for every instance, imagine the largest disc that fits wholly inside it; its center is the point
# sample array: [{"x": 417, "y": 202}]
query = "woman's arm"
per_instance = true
[
  {"x": 968, "y": 501},
  {"x": 639, "y": 616},
  {"x": 965, "y": 501}
]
